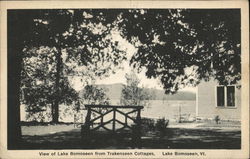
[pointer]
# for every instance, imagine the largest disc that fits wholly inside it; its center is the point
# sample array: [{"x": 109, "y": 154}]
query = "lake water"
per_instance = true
[
  {"x": 156, "y": 109},
  {"x": 169, "y": 109}
]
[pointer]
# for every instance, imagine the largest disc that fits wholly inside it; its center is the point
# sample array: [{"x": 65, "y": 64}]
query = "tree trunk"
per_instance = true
[
  {"x": 55, "y": 105},
  {"x": 14, "y": 59},
  {"x": 14, "y": 72}
]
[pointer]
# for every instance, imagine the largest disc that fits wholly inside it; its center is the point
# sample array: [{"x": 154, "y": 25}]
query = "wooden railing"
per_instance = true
[
  {"x": 111, "y": 109},
  {"x": 104, "y": 110}
]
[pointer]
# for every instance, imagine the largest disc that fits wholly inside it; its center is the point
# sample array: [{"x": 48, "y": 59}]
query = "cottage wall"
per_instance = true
[{"x": 207, "y": 103}]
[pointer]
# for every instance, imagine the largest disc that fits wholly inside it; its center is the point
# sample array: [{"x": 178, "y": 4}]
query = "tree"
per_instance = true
[
  {"x": 218, "y": 37},
  {"x": 38, "y": 83},
  {"x": 132, "y": 94},
  {"x": 74, "y": 38},
  {"x": 35, "y": 28},
  {"x": 91, "y": 94},
  {"x": 172, "y": 43},
  {"x": 17, "y": 34}
]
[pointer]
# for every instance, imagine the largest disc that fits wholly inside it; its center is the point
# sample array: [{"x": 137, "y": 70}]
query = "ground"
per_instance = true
[{"x": 179, "y": 136}]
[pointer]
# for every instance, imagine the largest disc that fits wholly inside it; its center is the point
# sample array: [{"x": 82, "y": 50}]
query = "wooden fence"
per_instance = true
[{"x": 102, "y": 110}]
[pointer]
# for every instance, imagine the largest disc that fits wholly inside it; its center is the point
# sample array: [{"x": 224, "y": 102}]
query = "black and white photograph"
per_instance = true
[{"x": 124, "y": 79}]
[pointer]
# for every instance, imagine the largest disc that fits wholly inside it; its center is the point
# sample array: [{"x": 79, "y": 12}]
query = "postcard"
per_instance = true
[{"x": 124, "y": 79}]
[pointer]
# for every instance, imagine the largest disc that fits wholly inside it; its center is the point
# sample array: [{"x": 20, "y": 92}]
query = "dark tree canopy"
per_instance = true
[{"x": 171, "y": 41}]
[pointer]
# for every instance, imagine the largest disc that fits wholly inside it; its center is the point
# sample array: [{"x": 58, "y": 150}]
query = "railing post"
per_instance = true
[
  {"x": 101, "y": 120},
  {"x": 126, "y": 120},
  {"x": 138, "y": 117},
  {"x": 137, "y": 130},
  {"x": 138, "y": 123},
  {"x": 88, "y": 119},
  {"x": 81, "y": 118},
  {"x": 85, "y": 129},
  {"x": 74, "y": 120},
  {"x": 114, "y": 118}
]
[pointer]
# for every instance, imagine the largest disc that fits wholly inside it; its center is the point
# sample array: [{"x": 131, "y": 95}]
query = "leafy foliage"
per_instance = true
[
  {"x": 38, "y": 82},
  {"x": 218, "y": 42},
  {"x": 161, "y": 126},
  {"x": 147, "y": 124},
  {"x": 182, "y": 47},
  {"x": 93, "y": 95},
  {"x": 85, "y": 36},
  {"x": 132, "y": 94}
]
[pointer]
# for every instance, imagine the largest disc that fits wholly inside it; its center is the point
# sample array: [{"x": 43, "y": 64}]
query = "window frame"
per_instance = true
[{"x": 225, "y": 97}]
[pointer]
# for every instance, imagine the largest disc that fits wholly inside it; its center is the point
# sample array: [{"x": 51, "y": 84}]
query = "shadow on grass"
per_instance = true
[{"x": 176, "y": 138}]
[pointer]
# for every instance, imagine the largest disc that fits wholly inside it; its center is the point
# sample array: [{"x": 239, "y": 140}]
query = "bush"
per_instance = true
[
  {"x": 161, "y": 126},
  {"x": 147, "y": 124}
]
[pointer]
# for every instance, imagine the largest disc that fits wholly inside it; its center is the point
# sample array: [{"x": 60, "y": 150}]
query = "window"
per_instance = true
[
  {"x": 220, "y": 96},
  {"x": 230, "y": 96},
  {"x": 225, "y": 96}
]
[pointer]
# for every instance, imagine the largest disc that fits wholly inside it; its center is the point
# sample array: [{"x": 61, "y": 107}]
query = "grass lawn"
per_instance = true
[
  {"x": 64, "y": 136},
  {"x": 221, "y": 124}
]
